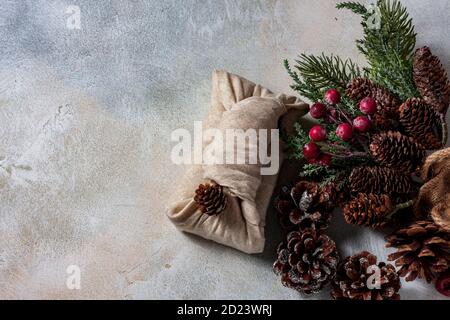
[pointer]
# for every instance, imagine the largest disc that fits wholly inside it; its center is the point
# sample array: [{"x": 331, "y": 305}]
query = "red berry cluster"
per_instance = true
[{"x": 346, "y": 129}]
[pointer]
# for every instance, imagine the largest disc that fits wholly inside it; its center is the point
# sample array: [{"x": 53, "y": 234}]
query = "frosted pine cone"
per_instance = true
[
  {"x": 352, "y": 280},
  {"x": 307, "y": 261},
  {"x": 306, "y": 206}
]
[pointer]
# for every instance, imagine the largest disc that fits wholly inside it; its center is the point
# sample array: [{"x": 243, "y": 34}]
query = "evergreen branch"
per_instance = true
[
  {"x": 339, "y": 178},
  {"x": 388, "y": 47},
  {"x": 325, "y": 72},
  {"x": 316, "y": 74},
  {"x": 355, "y": 7},
  {"x": 296, "y": 142},
  {"x": 327, "y": 175},
  {"x": 304, "y": 88},
  {"x": 313, "y": 170}
]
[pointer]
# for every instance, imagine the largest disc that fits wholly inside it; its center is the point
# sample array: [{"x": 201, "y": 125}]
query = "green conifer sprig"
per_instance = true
[
  {"x": 296, "y": 142},
  {"x": 315, "y": 74},
  {"x": 355, "y": 7},
  {"x": 390, "y": 47}
]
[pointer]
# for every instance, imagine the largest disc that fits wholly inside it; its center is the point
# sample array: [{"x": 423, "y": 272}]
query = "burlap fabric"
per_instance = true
[{"x": 434, "y": 196}]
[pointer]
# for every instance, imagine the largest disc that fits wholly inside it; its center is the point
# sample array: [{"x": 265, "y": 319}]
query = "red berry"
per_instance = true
[
  {"x": 325, "y": 159},
  {"x": 344, "y": 131},
  {"x": 333, "y": 96},
  {"x": 318, "y": 110},
  {"x": 318, "y": 133},
  {"x": 443, "y": 285},
  {"x": 333, "y": 113},
  {"x": 362, "y": 124},
  {"x": 312, "y": 161},
  {"x": 368, "y": 105},
  {"x": 311, "y": 151}
]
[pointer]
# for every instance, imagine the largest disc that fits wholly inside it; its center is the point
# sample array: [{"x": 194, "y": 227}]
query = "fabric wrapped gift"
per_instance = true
[{"x": 237, "y": 104}]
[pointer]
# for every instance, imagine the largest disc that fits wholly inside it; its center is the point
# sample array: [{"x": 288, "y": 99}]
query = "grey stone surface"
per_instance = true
[{"x": 85, "y": 121}]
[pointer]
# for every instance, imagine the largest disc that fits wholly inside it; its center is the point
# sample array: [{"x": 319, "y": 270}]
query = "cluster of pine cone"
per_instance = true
[
  {"x": 404, "y": 133},
  {"x": 309, "y": 260}
]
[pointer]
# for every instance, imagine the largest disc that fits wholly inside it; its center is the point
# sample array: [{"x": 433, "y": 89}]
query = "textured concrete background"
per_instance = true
[{"x": 85, "y": 121}]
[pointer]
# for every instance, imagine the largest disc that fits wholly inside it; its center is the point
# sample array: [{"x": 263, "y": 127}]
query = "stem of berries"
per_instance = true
[{"x": 351, "y": 131}]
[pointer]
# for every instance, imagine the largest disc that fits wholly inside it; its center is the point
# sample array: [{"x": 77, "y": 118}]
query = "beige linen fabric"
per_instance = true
[{"x": 236, "y": 104}]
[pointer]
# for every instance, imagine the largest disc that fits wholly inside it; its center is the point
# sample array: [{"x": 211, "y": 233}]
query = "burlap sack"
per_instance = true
[
  {"x": 434, "y": 196},
  {"x": 236, "y": 104}
]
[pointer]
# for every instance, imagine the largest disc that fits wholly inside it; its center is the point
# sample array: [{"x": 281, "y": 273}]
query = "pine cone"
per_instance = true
[
  {"x": 211, "y": 198},
  {"x": 383, "y": 123},
  {"x": 354, "y": 277},
  {"x": 394, "y": 150},
  {"x": 306, "y": 206},
  {"x": 368, "y": 210},
  {"x": 360, "y": 88},
  {"x": 431, "y": 79},
  {"x": 421, "y": 122},
  {"x": 380, "y": 180},
  {"x": 422, "y": 250},
  {"x": 307, "y": 261}
]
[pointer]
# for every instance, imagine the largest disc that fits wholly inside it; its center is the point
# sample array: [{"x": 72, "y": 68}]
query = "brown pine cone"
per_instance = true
[
  {"x": 396, "y": 151},
  {"x": 422, "y": 250},
  {"x": 370, "y": 210},
  {"x": 431, "y": 79},
  {"x": 306, "y": 206},
  {"x": 360, "y": 88},
  {"x": 383, "y": 123},
  {"x": 421, "y": 122},
  {"x": 354, "y": 279},
  {"x": 210, "y": 198},
  {"x": 380, "y": 180},
  {"x": 307, "y": 261}
]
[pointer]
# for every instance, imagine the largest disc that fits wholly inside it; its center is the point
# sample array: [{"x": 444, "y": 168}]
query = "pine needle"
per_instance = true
[{"x": 388, "y": 49}]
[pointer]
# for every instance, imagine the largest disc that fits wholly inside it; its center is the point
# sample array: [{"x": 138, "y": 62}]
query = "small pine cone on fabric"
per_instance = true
[
  {"x": 307, "y": 261},
  {"x": 211, "y": 198},
  {"x": 421, "y": 122},
  {"x": 360, "y": 88},
  {"x": 355, "y": 279},
  {"x": 422, "y": 250},
  {"x": 379, "y": 180},
  {"x": 306, "y": 206},
  {"x": 396, "y": 151},
  {"x": 370, "y": 210},
  {"x": 431, "y": 79}
]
